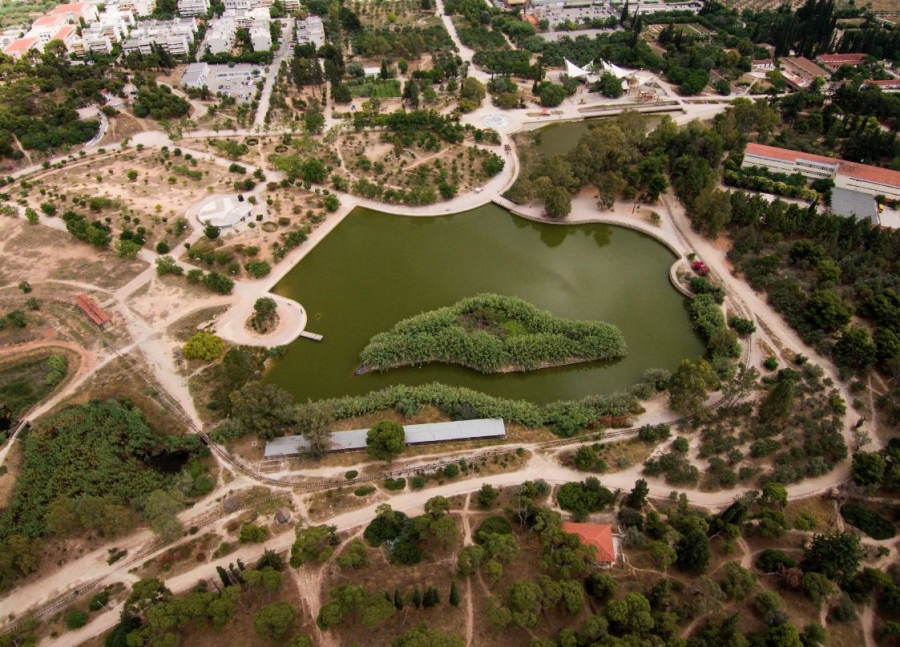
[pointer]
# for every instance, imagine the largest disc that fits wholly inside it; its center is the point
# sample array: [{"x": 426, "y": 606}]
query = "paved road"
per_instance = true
[{"x": 284, "y": 52}]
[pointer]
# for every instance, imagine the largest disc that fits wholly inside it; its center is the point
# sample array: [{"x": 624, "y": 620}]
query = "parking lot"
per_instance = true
[{"x": 238, "y": 81}]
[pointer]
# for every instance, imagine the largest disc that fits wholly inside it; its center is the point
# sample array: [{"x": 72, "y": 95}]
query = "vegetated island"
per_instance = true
[{"x": 491, "y": 333}]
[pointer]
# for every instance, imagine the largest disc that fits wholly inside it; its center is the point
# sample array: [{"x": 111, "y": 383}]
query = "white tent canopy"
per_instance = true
[
  {"x": 575, "y": 72},
  {"x": 615, "y": 70}
]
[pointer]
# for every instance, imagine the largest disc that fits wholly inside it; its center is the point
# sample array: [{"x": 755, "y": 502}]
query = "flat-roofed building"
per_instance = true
[
  {"x": 484, "y": 428},
  {"x": 174, "y": 36},
  {"x": 193, "y": 7},
  {"x": 871, "y": 180},
  {"x": 195, "y": 75},
  {"x": 261, "y": 36},
  {"x": 142, "y": 8},
  {"x": 220, "y": 38},
  {"x": 312, "y": 31}
]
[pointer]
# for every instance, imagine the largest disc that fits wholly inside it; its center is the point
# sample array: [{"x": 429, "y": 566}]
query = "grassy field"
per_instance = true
[
  {"x": 26, "y": 381},
  {"x": 15, "y": 13}
]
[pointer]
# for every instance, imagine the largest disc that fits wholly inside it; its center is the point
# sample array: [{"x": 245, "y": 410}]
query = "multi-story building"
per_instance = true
[
  {"x": 220, "y": 37},
  {"x": 312, "y": 31},
  {"x": 21, "y": 46},
  {"x": 44, "y": 28},
  {"x": 241, "y": 5},
  {"x": 863, "y": 178},
  {"x": 261, "y": 36},
  {"x": 77, "y": 11},
  {"x": 174, "y": 36},
  {"x": 193, "y": 7},
  {"x": 291, "y": 5},
  {"x": 140, "y": 8}
]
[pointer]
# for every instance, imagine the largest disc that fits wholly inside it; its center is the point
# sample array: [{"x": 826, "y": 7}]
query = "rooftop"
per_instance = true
[
  {"x": 21, "y": 45},
  {"x": 805, "y": 66},
  {"x": 89, "y": 307},
  {"x": 595, "y": 534},
  {"x": 74, "y": 7},
  {"x": 848, "y": 169},
  {"x": 415, "y": 435},
  {"x": 847, "y": 203}
]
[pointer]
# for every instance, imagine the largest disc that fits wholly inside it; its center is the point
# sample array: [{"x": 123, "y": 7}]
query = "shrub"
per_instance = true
[
  {"x": 743, "y": 327},
  {"x": 771, "y": 363},
  {"x": 770, "y": 559},
  {"x": 395, "y": 484},
  {"x": 98, "y": 601},
  {"x": 252, "y": 534},
  {"x": 364, "y": 490},
  {"x": 204, "y": 346},
  {"x": 76, "y": 619},
  {"x": 450, "y": 471},
  {"x": 871, "y": 523},
  {"x": 352, "y": 474},
  {"x": 162, "y": 247}
]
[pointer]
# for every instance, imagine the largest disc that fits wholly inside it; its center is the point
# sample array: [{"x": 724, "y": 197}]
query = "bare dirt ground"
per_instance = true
[{"x": 35, "y": 254}]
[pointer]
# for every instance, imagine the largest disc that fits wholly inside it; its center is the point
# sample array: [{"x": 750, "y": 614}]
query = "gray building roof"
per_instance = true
[
  {"x": 845, "y": 202},
  {"x": 415, "y": 435}
]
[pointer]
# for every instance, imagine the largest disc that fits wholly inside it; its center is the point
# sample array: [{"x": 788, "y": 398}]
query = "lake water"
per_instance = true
[{"x": 375, "y": 269}]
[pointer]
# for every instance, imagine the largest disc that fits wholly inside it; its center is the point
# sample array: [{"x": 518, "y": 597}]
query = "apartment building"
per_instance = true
[
  {"x": 174, "y": 36},
  {"x": 312, "y": 31},
  {"x": 193, "y": 7}
]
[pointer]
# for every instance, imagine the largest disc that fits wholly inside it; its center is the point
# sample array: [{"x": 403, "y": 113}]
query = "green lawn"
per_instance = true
[{"x": 26, "y": 383}]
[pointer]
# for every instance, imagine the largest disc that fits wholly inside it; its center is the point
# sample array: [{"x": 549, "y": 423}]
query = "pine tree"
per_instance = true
[
  {"x": 454, "y": 594},
  {"x": 417, "y": 598}
]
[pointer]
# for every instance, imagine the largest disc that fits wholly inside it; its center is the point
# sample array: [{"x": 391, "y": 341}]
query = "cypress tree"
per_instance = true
[
  {"x": 223, "y": 575},
  {"x": 417, "y": 597},
  {"x": 398, "y": 599},
  {"x": 454, "y": 594}
]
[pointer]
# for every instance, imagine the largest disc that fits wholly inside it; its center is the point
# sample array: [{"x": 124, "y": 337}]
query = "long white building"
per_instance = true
[{"x": 871, "y": 180}]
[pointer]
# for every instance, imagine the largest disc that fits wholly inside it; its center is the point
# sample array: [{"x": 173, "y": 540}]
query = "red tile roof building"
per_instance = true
[
  {"x": 864, "y": 178},
  {"x": 595, "y": 534},
  {"x": 887, "y": 85},
  {"x": 89, "y": 307},
  {"x": 834, "y": 61},
  {"x": 20, "y": 47}
]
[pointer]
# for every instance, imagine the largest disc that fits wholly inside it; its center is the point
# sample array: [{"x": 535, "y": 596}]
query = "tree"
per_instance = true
[
  {"x": 835, "y": 555},
  {"x": 469, "y": 559},
  {"x": 779, "y": 402},
  {"x": 274, "y": 621},
  {"x": 854, "y": 350},
  {"x": 264, "y": 309},
  {"x": 689, "y": 386},
  {"x": 817, "y": 587},
  {"x": 313, "y": 544},
  {"x": 710, "y": 211},
  {"x": 127, "y": 249},
  {"x": 453, "y": 598},
  {"x": 204, "y": 346},
  {"x": 167, "y": 265},
  {"x": 737, "y": 581},
  {"x": 631, "y": 614},
  {"x": 211, "y": 231},
  {"x": 551, "y": 94},
  {"x": 487, "y": 495},
  {"x": 600, "y": 586},
  {"x": 557, "y": 202},
  {"x": 868, "y": 468},
  {"x": 437, "y": 507},
  {"x": 355, "y": 556},
  {"x": 422, "y": 636},
  {"x": 774, "y": 492},
  {"x": 473, "y": 90},
  {"x": 385, "y": 440},
  {"x": 313, "y": 422},
  {"x": 637, "y": 499},
  {"x": 262, "y": 409},
  {"x": 693, "y": 552},
  {"x": 524, "y": 602},
  {"x": 610, "y": 86},
  {"x": 662, "y": 554}
]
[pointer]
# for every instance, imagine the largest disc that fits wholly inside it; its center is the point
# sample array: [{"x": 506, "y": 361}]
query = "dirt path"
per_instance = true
[
  {"x": 867, "y": 620},
  {"x": 470, "y": 605}
]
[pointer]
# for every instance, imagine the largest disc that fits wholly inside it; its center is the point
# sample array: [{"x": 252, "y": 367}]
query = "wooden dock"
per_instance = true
[{"x": 311, "y": 335}]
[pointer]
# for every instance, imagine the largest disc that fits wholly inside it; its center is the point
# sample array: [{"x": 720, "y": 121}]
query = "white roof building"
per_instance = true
[
  {"x": 415, "y": 435},
  {"x": 224, "y": 211},
  {"x": 140, "y": 8},
  {"x": 193, "y": 7},
  {"x": 261, "y": 36},
  {"x": 195, "y": 75},
  {"x": 312, "y": 31},
  {"x": 220, "y": 38}
]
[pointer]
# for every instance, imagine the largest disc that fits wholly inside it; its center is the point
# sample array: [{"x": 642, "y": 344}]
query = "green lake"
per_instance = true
[{"x": 375, "y": 269}]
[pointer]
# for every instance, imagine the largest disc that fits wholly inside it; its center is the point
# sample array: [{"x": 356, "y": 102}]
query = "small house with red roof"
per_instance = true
[
  {"x": 599, "y": 535},
  {"x": 94, "y": 312}
]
